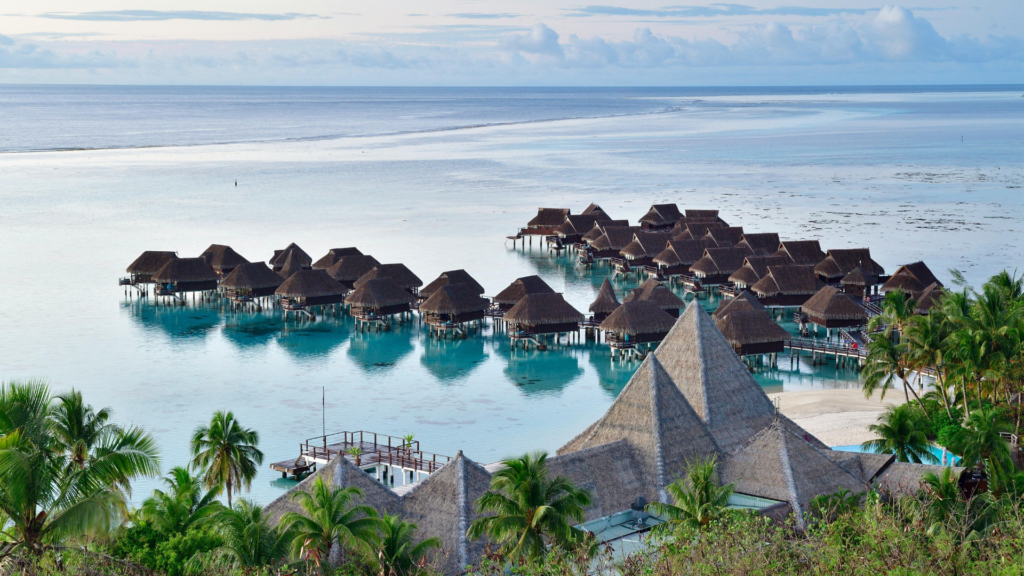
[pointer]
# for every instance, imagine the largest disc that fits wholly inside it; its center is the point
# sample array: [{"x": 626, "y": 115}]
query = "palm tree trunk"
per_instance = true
[
  {"x": 939, "y": 385},
  {"x": 228, "y": 484},
  {"x": 907, "y": 386}
]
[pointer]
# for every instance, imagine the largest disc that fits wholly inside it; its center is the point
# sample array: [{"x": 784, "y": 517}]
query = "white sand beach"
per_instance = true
[{"x": 837, "y": 417}]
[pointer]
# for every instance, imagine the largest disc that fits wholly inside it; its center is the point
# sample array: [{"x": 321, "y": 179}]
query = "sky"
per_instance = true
[{"x": 511, "y": 43}]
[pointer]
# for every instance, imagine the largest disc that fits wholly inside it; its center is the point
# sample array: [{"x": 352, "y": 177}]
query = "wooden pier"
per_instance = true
[{"x": 379, "y": 454}]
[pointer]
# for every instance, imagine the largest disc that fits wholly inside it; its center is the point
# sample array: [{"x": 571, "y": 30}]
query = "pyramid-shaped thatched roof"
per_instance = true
[
  {"x": 333, "y": 255},
  {"x": 859, "y": 277},
  {"x": 744, "y": 301},
  {"x": 831, "y": 304},
  {"x": 185, "y": 270},
  {"x": 638, "y": 317},
  {"x": 292, "y": 264},
  {"x": 397, "y": 273},
  {"x": 610, "y": 471},
  {"x": 760, "y": 244},
  {"x": 452, "y": 277},
  {"x": 606, "y": 302},
  {"x": 539, "y": 309},
  {"x": 910, "y": 278},
  {"x": 149, "y": 262},
  {"x": 453, "y": 299},
  {"x": 342, "y": 473},
  {"x": 222, "y": 257},
  {"x": 251, "y": 276},
  {"x": 351, "y": 268},
  {"x": 378, "y": 293},
  {"x": 310, "y": 284},
  {"x": 281, "y": 255},
  {"x": 521, "y": 287},
  {"x": 597, "y": 212}
]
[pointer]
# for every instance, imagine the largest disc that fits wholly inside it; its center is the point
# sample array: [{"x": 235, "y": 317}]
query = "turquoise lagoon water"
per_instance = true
[{"x": 436, "y": 179}]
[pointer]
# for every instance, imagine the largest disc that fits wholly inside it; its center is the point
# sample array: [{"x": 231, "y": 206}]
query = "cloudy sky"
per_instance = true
[{"x": 512, "y": 42}]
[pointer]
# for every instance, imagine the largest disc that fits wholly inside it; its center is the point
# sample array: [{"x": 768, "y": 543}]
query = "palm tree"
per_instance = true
[
  {"x": 944, "y": 505},
  {"x": 356, "y": 453},
  {"x": 887, "y": 360},
  {"x": 926, "y": 341},
  {"x": 79, "y": 427},
  {"x": 699, "y": 499},
  {"x": 980, "y": 441},
  {"x": 831, "y": 506},
  {"x": 328, "y": 516},
  {"x": 394, "y": 553},
  {"x": 529, "y": 509},
  {"x": 897, "y": 309},
  {"x": 249, "y": 539},
  {"x": 900, "y": 433},
  {"x": 185, "y": 504},
  {"x": 226, "y": 453}
]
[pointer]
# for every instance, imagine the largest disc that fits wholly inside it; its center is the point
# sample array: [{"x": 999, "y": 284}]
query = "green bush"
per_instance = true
[{"x": 166, "y": 554}]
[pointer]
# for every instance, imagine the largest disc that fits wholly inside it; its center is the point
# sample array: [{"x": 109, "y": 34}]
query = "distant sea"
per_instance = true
[{"x": 436, "y": 178}]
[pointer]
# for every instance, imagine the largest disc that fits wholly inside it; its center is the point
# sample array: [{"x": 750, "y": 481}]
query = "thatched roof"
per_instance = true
[
  {"x": 185, "y": 270},
  {"x": 549, "y": 217},
  {"x": 149, "y": 262},
  {"x": 537, "y": 309},
  {"x": 702, "y": 214},
  {"x": 653, "y": 291},
  {"x": 592, "y": 234},
  {"x": 597, "y": 212},
  {"x": 292, "y": 264},
  {"x": 662, "y": 215},
  {"x": 831, "y": 304},
  {"x": 781, "y": 465},
  {"x": 351, "y": 268},
  {"x": 839, "y": 263},
  {"x": 745, "y": 327},
  {"x": 645, "y": 244},
  {"x": 699, "y": 229},
  {"x": 638, "y": 317},
  {"x": 725, "y": 237},
  {"x": 521, "y": 287},
  {"x": 761, "y": 244},
  {"x": 720, "y": 261},
  {"x": 906, "y": 478},
  {"x": 788, "y": 281},
  {"x": 332, "y": 257},
  {"x": 610, "y": 471},
  {"x": 397, "y": 273},
  {"x": 755, "y": 267},
  {"x": 576, "y": 225},
  {"x": 378, "y": 293},
  {"x": 911, "y": 278},
  {"x": 801, "y": 252},
  {"x": 928, "y": 298},
  {"x": 680, "y": 253},
  {"x": 744, "y": 301},
  {"x": 281, "y": 255},
  {"x": 858, "y": 277},
  {"x": 310, "y": 284},
  {"x": 453, "y": 299},
  {"x": 222, "y": 257},
  {"x": 251, "y": 276},
  {"x": 615, "y": 238},
  {"x": 606, "y": 301},
  {"x": 452, "y": 277},
  {"x": 344, "y": 474}
]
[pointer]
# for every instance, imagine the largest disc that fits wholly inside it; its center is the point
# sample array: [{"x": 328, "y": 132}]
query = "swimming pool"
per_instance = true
[{"x": 950, "y": 458}]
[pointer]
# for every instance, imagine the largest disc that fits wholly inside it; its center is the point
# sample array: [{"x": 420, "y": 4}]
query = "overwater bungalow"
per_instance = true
[
  {"x": 754, "y": 268},
  {"x": 574, "y": 228},
  {"x": 801, "y": 252},
  {"x": 743, "y": 301},
  {"x": 280, "y": 256},
  {"x": 376, "y": 300},
  {"x": 332, "y": 257},
  {"x": 597, "y": 212},
  {"x": 521, "y": 287},
  {"x": 348, "y": 269},
  {"x": 222, "y": 258},
  {"x": 830, "y": 308},
  {"x": 598, "y": 230},
  {"x": 787, "y": 286},
  {"x": 910, "y": 278},
  {"x": 142, "y": 269},
  {"x": 760, "y": 244},
  {"x": 678, "y": 256},
  {"x": 695, "y": 215},
  {"x": 717, "y": 264},
  {"x": 179, "y": 275},
  {"x": 641, "y": 251},
  {"x": 292, "y": 264},
  {"x": 251, "y": 280},
  {"x": 752, "y": 332},
  {"x": 691, "y": 230},
  {"x": 636, "y": 323},
  {"x": 397, "y": 273},
  {"x": 541, "y": 314},
  {"x": 605, "y": 303},
  {"x": 451, "y": 307},
  {"x": 838, "y": 263},
  {"x": 927, "y": 299},
  {"x": 545, "y": 222},
  {"x": 451, "y": 277},
  {"x": 653, "y": 291},
  {"x": 614, "y": 239},
  {"x": 859, "y": 282},
  {"x": 723, "y": 236},
  {"x": 661, "y": 217},
  {"x": 306, "y": 288}
]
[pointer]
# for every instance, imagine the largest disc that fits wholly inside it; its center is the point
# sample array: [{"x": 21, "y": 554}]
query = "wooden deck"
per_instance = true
[{"x": 376, "y": 450}]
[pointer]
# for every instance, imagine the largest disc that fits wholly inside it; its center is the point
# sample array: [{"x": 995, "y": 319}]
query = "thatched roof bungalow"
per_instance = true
[
  {"x": 451, "y": 277},
  {"x": 332, "y": 257},
  {"x": 694, "y": 230},
  {"x": 543, "y": 314},
  {"x": 637, "y": 322},
  {"x": 143, "y": 268},
  {"x": 754, "y": 268},
  {"x": 678, "y": 256},
  {"x": 597, "y": 212},
  {"x": 292, "y": 264},
  {"x": 644, "y": 247},
  {"x": 545, "y": 222},
  {"x": 787, "y": 285},
  {"x": 723, "y": 237},
  {"x": 453, "y": 304},
  {"x": 185, "y": 275},
  {"x": 858, "y": 282},
  {"x": 801, "y": 252},
  {"x": 348, "y": 269},
  {"x": 614, "y": 239},
  {"x": 830, "y": 308},
  {"x": 280, "y": 256},
  {"x": 653, "y": 291},
  {"x": 397, "y": 273},
  {"x": 692, "y": 214},
  {"x": 928, "y": 298},
  {"x": 515, "y": 291},
  {"x": 605, "y": 303},
  {"x": 839, "y": 263},
  {"x": 575, "y": 226},
  {"x": 252, "y": 279},
  {"x": 222, "y": 259},
  {"x": 910, "y": 278},
  {"x": 718, "y": 264},
  {"x": 743, "y": 301},
  {"x": 311, "y": 288},
  {"x": 661, "y": 217},
  {"x": 379, "y": 297},
  {"x": 752, "y": 332},
  {"x": 760, "y": 244}
]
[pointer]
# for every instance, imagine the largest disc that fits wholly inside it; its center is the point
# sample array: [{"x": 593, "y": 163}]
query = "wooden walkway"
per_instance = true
[{"x": 375, "y": 450}]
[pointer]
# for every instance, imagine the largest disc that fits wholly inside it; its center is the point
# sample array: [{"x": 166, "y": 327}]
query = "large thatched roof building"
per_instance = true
[
  {"x": 801, "y": 252},
  {"x": 253, "y": 279},
  {"x": 752, "y": 332},
  {"x": 653, "y": 291},
  {"x": 333, "y": 255},
  {"x": 222, "y": 258},
  {"x": 830, "y": 308},
  {"x": 541, "y": 313},
  {"x": 910, "y": 278},
  {"x": 787, "y": 285},
  {"x": 661, "y": 217},
  {"x": 637, "y": 322},
  {"x": 143, "y": 268},
  {"x": 186, "y": 275},
  {"x": 605, "y": 303},
  {"x": 515, "y": 291}
]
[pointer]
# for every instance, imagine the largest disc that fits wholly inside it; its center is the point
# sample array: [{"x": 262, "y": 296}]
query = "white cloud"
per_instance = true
[{"x": 539, "y": 40}]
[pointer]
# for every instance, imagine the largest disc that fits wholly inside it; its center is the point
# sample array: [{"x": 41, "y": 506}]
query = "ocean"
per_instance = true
[{"x": 436, "y": 178}]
